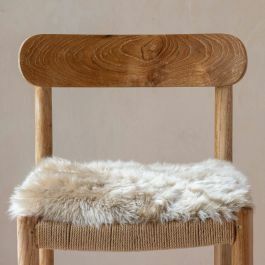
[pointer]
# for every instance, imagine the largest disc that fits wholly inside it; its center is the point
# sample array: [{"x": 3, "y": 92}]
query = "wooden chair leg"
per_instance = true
[
  {"x": 222, "y": 254},
  {"x": 223, "y": 150},
  {"x": 242, "y": 249},
  {"x": 43, "y": 144},
  {"x": 28, "y": 253},
  {"x": 46, "y": 257}
]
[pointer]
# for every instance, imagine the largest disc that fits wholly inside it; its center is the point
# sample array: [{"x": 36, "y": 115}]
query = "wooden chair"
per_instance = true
[{"x": 199, "y": 60}]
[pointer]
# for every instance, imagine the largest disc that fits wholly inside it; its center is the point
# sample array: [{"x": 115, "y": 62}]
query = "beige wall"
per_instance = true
[{"x": 173, "y": 125}]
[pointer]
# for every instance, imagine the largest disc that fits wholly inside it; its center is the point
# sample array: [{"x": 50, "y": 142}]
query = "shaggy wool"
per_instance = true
[{"x": 106, "y": 192}]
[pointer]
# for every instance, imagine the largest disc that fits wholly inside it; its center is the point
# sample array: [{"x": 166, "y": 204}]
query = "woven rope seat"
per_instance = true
[{"x": 126, "y": 206}]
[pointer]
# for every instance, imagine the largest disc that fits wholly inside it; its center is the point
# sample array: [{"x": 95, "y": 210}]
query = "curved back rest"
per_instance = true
[
  {"x": 199, "y": 60},
  {"x": 132, "y": 61}
]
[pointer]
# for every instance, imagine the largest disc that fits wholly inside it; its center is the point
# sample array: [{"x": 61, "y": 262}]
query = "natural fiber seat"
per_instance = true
[
  {"x": 134, "y": 237},
  {"x": 106, "y": 192}
]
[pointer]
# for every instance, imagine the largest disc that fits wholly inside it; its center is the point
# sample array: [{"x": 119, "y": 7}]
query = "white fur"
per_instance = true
[{"x": 105, "y": 192}]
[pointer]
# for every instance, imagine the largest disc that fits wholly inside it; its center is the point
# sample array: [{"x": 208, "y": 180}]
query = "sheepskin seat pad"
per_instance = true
[{"x": 109, "y": 192}]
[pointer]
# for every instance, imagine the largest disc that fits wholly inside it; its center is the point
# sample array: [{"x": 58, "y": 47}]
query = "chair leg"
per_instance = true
[
  {"x": 242, "y": 249},
  {"x": 46, "y": 257},
  {"x": 222, "y": 254},
  {"x": 28, "y": 253}
]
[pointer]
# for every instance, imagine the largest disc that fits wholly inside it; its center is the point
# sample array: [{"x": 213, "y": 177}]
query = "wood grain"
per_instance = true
[
  {"x": 132, "y": 60},
  {"x": 46, "y": 256},
  {"x": 43, "y": 123},
  {"x": 223, "y": 150},
  {"x": 222, "y": 254},
  {"x": 28, "y": 253},
  {"x": 43, "y": 144},
  {"x": 223, "y": 123},
  {"x": 242, "y": 250}
]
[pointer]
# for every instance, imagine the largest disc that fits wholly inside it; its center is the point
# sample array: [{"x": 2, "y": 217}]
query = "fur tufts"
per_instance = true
[{"x": 106, "y": 192}]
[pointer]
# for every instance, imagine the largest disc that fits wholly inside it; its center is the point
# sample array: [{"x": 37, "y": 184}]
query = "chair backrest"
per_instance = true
[{"x": 199, "y": 60}]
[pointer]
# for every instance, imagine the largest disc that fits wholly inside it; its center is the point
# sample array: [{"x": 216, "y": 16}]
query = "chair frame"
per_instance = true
[{"x": 217, "y": 60}]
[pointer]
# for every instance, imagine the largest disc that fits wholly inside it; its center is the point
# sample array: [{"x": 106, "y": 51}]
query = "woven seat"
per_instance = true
[{"x": 137, "y": 237}]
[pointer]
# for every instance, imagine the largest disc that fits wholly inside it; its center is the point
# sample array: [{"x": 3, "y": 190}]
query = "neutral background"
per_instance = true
[{"x": 174, "y": 125}]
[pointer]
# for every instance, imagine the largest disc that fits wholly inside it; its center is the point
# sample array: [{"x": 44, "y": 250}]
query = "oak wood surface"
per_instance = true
[
  {"x": 132, "y": 60},
  {"x": 43, "y": 144},
  {"x": 223, "y": 123},
  {"x": 241, "y": 252},
  {"x": 242, "y": 249},
  {"x": 46, "y": 256},
  {"x": 223, "y": 150},
  {"x": 28, "y": 253},
  {"x": 43, "y": 123}
]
